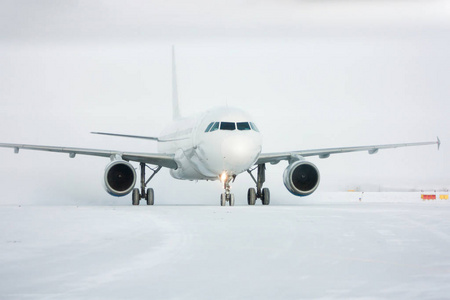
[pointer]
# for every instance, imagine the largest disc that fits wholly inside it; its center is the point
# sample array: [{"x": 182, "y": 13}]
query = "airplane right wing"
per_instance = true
[{"x": 164, "y": 160}]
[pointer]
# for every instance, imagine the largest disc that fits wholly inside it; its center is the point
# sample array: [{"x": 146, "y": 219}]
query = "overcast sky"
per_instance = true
[{"x": 312, "y": 73}]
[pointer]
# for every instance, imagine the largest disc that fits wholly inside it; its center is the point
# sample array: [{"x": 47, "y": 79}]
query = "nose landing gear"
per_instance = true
[
  {"x": 227, "y": 196},
  {"x": 260, "y": 192}
]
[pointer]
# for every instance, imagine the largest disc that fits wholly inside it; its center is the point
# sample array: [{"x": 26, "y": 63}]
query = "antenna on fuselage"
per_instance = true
[{"x": 175, "y": 108}]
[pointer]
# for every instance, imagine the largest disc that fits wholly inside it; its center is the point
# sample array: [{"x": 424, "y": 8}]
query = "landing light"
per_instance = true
[{"x": 223, "y": 177}]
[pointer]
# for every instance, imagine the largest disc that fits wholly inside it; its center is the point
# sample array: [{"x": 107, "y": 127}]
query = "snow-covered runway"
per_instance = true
[{"x": 316, "y": 250}]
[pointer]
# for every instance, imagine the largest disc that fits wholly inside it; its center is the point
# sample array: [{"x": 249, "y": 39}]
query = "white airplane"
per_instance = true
[{"x": 216, "y": 145}]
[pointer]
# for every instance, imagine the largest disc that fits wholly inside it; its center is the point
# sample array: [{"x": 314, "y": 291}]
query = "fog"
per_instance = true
[{"x": 312, "y": 73}]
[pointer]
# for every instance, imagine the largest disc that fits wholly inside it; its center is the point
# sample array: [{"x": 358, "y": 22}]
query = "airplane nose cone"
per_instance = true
[{"x": 239, "y": 153}]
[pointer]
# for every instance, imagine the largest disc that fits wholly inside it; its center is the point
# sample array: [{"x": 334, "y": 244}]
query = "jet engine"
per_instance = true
[
  {"x": 120, "y": 178},
  {"x": 301, "y": 178}
]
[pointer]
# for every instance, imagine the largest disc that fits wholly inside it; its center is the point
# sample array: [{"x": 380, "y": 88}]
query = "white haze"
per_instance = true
[{"x": 312, "y": 73}]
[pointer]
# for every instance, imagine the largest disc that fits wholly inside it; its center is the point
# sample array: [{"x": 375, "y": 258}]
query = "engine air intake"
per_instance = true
[
  {"x": 301, "y": 178},
  {"x": 120, "y": 178}
]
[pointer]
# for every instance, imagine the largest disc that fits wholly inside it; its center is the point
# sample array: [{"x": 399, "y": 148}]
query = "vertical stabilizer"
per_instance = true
[{"x": 175, "y": 108}]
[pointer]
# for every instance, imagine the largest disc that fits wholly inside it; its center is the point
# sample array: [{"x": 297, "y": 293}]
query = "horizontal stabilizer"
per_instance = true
[{"x": 128, "y": 136}]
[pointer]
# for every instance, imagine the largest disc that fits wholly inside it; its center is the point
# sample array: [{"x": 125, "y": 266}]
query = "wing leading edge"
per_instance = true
[
  {"x": 275, "y": 158},
  {"x": 164, "y": 160}
]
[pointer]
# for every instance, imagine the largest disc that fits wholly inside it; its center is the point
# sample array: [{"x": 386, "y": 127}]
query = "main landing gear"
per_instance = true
[
  {"x": 260, "y": 192},
  {"x": 227, "y": 196},
  {"x": 148, "y": 195}
]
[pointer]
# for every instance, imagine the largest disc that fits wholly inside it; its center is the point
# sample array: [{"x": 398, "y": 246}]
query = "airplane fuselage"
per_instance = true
[{"x": 222, "y": 140}]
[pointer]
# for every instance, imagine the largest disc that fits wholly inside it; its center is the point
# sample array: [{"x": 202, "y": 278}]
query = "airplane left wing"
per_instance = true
[
  {"x": 164, "y": 160},
  {"x": 274, "y": 158}
]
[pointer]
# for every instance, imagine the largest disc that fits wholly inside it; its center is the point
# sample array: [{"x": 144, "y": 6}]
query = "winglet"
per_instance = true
[
  {"x": 438, "y": 142},
  {"x": 175, "y": 108}
]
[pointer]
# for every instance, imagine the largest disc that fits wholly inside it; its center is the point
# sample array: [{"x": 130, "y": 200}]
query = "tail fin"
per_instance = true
[{"x": 175, "y": 108}]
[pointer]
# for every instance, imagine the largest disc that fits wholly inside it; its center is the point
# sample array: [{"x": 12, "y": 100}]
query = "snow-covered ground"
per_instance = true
[{"x": 386, "y": 246}]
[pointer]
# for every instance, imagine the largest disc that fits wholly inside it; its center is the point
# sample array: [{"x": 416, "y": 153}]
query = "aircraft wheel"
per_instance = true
[
  {"x": 265, "y": 196},
  {"x": 251, "y": 196},
  {"x": 136, "y": 197},
  {"x": 223, "y": 199},
  {"x": 231, "y": 199},
  {"x": 150, "y": 197}
]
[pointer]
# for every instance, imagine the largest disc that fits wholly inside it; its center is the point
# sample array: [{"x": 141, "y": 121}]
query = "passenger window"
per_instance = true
[
  {"x": 243, "y": 126},
  {"x": 254, "y": 127},
  {"x": 214, "y": 127},
  {"x": 227, "y": 126},
  {"x": 209, "y": 126}
]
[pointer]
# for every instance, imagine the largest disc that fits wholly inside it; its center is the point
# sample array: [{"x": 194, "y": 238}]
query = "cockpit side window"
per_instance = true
[
  {"x": 254, "y": 127},
  {"x": 243, "y": 126},
  {"x": 209, "y": 126},
  {"x": 214, "y": 127},
  {"x": 227, "y": 126}
]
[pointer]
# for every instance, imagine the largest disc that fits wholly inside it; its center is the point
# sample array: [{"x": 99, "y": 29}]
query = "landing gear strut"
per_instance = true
[
  {"x": 227, "y": 196},
  {"x": 149, "y": 194},
  {"x": 260, "y": 192}
]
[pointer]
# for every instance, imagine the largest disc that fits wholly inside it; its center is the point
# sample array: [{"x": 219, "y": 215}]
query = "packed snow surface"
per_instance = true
[{"x": 345, "y": 249}]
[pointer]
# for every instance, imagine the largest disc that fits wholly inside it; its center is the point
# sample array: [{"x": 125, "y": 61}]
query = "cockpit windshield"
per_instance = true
[
  {"x": 227, "y": 126},
  {"x": 241, "y": 126}
]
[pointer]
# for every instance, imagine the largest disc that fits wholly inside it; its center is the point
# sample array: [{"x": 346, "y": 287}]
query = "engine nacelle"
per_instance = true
[
  {"x": 120, "y": 178},
  {"x": 301, "y": 178}
]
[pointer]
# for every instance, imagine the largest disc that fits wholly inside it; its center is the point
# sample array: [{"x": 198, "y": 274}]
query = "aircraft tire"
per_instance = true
[
  {"x": 136, "y": 197},
  {"x": 251, "y": 196},
  {"x": 223, "y": 199},
  {"x": 231, "y": 199},
  {"x": 265, "y": 196},
  {"x": 150, "y": 197}
]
